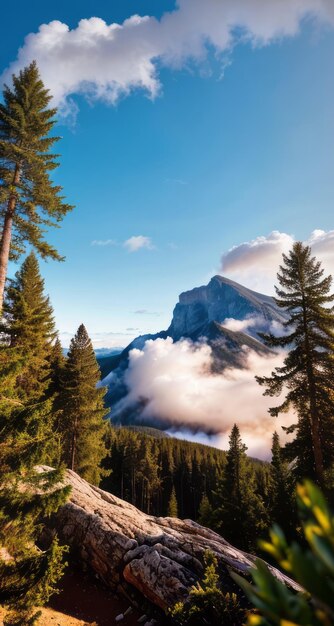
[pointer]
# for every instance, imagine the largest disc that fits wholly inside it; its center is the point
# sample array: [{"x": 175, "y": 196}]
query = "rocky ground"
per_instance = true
[
  {"x": 150, "y": 561},
  {"x": 129, "y": 558}
]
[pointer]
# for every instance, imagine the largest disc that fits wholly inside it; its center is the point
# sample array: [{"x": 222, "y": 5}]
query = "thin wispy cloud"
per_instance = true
[
  {"x": 138, "y": 242},
  {"x": 146, "y": 312},
  {"x": 104, "y": 242},
  {"x": 108, "y": 61},
  {"x": 133, "y": 244}
]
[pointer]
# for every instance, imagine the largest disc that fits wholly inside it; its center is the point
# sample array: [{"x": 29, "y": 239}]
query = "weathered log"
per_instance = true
[{"x": 160, "y": 557}]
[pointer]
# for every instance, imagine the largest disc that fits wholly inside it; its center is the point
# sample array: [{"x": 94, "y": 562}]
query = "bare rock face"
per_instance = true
[
  {"x": 160, "y": 557},
  {"x": 221, "y": 298}
]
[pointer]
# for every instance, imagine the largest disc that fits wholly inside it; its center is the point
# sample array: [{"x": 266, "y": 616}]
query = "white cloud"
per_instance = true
[
  {"x": 135, "y": 243},
  {"x": 107, "y": 61},
  {"x": 242, "y": 325},
  {"x": 255, "y": 263},
  {"x": 177, "y": 382},
  {"x": 104, "y": 242},
  {"x": 322, "y": 244},
  {"x": 146, "y": 312}
]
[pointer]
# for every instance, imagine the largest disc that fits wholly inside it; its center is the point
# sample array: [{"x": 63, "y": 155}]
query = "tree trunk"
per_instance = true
[
  {"x": 6, "y": 236},
  {"x": 74, "y": 444},
  {"x": 314, "y": 415}
]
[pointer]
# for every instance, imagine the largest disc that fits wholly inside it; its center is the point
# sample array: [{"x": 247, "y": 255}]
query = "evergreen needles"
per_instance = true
[
  {"x": 29, "y": 200},
  {"x": 81, "y": 410},
  {"x": 308, "y": 370}
]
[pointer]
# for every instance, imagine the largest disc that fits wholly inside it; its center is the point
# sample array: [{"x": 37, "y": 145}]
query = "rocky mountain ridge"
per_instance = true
[
  {"x": 222, "y": 299},
  {"x": 222, "y": 314}
]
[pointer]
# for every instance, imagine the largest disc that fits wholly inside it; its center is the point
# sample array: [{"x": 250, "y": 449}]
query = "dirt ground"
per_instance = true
[
  {"x": 53, "y": 618},
  {"x": 83, "y": 601}
]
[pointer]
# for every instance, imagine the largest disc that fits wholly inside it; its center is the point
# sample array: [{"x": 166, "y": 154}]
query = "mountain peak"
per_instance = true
[{"x": 219, "y": 300}]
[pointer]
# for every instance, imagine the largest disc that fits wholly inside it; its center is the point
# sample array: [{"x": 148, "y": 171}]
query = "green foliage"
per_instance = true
[
  {"x": 240, "y": 513},
  {"x": 29, "y": 582},
  {"x": 207, "y": 604},
  {"x": 81, "y": 408},
  {"x": 312, "y": 568},
  {"x": 27, "y": 573},
  {"x": 27, "y": 439},
  {"x": 57, "y": 364},
  {"x": 307, "y": 373},
  {"x": 28, "y": 332},
  {"x": 205, "y": 512},
  {"x": 281, "y": 507},
  {"x": 26, "y": 189},
  {"x": 192, "y": 469},
  {"x": 172, "y": 510}
]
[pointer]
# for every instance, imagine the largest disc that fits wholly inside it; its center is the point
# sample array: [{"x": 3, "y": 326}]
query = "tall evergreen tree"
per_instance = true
[
  {"x": 205, "y": 512},
  {"x": 308, "y": 369},
  {"x": 28, "y": 198},
  {"x": 28, "y": 573},
  {"x": 27, "y": 439},
  {"x": 82, "y": 407},
  {"x": 281, "y": 490},
  {"x": 240, "y": 512},
  {"x": 29, "y": 331},
  {"x": 57, "y": 363}
]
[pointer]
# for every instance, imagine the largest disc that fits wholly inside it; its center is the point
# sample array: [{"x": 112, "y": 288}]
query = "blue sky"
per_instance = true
[{"x": 237, "y": 143}]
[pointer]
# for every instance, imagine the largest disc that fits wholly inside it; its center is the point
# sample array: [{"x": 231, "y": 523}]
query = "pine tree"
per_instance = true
[
  {"x": 57, "y": 363},
  {"x": 205, "y": 513},
  {"x": 172, "y": 510},
  {"x": 148, "y": 474},
  {"x": 27, "y": 438},
  {"x": 28, "y": 198},
  {"x": 240, "y": 511},
  {"x": 27, "y": 573},
  {"x": 307, "y": 373},
  {"x": 281, "y": 490},
  {"x": 29, "y": 330},
  {"x": 82, "y": 426},
  {"x": 208, "y": 604}
]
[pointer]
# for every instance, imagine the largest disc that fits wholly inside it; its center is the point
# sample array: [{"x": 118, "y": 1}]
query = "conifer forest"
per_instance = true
[{"x": 181, "y": 476}]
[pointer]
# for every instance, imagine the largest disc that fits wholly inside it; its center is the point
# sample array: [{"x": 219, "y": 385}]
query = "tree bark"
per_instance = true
[
  {"x": 74, "y": 444},
  {"x": 314, "y": 414},
  {"x": 6, "y": 236}
]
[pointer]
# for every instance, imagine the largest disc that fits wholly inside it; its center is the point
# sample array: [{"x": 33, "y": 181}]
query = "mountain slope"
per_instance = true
[
  {"x": 204, "y": 315},
  {"x": 222, "y": 299}
]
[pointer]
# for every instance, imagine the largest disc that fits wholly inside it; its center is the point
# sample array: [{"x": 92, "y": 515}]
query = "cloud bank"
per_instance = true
[
  {"x": 176, "y": 381},
  {"x": 255, "y": 263},
  {"x": 106, "y": 61}
]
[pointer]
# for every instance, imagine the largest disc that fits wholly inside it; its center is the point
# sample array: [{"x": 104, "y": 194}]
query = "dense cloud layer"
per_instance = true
[
  {"x": 106, "y": 61},
  {"x": 255, "y": 263},
  {"x": 176, "y": 381}
]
